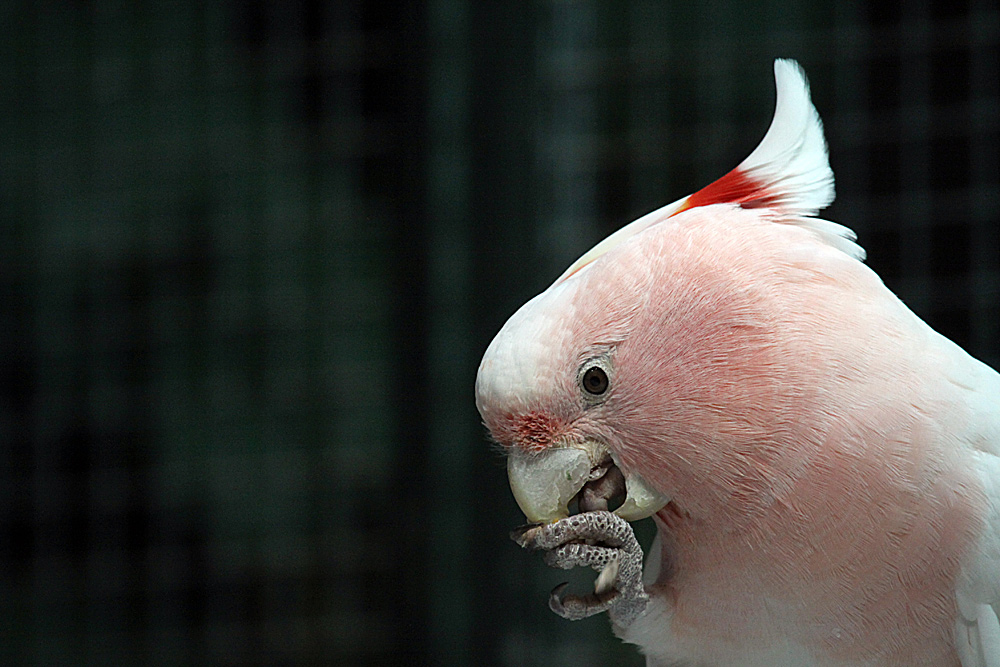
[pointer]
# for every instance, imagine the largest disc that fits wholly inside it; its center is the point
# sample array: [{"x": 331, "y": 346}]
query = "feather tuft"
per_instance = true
[{"x": 788, "y": 173}]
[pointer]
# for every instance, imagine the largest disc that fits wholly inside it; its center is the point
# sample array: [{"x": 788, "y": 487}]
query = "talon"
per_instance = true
[
  {"x": 555, "y": 603},
  {"x": 606, "y": 579},
  {"x": 556, "y": 592},
  {"x": 525, "y": 535},
  {"x": 600, "y": 540},
  {"x": 576, "y": 607}
]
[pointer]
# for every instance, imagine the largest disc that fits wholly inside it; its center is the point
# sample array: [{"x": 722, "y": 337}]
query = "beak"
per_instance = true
[{"x": 545, "y": 483}]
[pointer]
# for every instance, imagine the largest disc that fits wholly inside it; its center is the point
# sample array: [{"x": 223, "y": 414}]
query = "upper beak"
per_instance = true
[{"x": 544, "y": 483}]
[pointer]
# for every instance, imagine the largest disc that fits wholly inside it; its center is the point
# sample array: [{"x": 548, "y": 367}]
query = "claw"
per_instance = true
[
  {"x": 525, "y": 535},
  {"x": 597, "y": 539},
  {"x": 576, "y": 607},
  {"x": 606, "y": 579},
  {"x": 555, "y": 604}
]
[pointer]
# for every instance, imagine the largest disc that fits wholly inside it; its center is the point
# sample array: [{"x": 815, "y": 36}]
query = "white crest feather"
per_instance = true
[
  {"x": 791, "y": 160},
  {"x": 788, "y": 172}
]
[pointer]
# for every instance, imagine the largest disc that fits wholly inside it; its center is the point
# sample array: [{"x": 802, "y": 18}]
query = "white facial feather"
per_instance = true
[{"x": 523, "y": 363}]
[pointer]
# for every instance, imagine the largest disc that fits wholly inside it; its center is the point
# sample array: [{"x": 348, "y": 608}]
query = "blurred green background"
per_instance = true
[{"x": 251, "y": 253}]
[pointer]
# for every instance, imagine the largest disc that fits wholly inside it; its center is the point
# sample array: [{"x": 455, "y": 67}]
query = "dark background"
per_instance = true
[{"x": 251, "y": 253}]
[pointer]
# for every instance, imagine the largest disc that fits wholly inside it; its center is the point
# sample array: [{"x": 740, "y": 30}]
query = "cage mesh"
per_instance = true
[{"x": 252, "y": 251}]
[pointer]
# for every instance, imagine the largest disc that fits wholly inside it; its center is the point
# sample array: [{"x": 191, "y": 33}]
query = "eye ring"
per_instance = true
[{"x": 595, "y": 381}]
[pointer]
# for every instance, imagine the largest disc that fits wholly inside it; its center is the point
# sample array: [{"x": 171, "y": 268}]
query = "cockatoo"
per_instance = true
[{"x": 822, "y": 467}]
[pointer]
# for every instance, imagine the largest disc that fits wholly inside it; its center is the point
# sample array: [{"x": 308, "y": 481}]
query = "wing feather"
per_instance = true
[{"x": 977, "y": 630}]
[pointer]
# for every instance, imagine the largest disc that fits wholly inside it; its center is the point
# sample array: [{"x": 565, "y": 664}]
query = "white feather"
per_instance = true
[
  {"x": 977, "y": 630},
  {"x": 792, "y": 157},
  {"x": 789, "y": 166}
]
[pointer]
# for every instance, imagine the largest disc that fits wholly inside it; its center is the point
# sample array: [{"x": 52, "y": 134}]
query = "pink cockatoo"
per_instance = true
[{"x": 822, "y": 467}]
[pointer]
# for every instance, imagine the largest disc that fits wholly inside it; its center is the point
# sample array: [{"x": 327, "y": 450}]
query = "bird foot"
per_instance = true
[{"x": 600, "y": 540}]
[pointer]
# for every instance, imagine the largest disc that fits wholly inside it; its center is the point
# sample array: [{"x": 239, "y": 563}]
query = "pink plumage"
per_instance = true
[{"x": 823, "y": 468}]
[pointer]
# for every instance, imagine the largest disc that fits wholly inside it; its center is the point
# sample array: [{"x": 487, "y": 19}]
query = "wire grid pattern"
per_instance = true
[
  {"x": 196, "y": 278},
  {"x": 235, "y": 246}
]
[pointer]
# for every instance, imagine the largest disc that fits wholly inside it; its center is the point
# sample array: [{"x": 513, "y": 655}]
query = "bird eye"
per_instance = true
[{"x": 595, "y": 381}]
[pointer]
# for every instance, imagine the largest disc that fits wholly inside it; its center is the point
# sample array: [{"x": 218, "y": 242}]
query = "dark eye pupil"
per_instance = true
[{"x": 595, "y": 380}]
